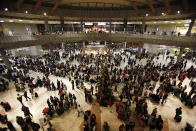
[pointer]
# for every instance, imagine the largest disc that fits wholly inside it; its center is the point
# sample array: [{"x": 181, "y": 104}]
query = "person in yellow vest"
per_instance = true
[{"x": 19, "y": 98}]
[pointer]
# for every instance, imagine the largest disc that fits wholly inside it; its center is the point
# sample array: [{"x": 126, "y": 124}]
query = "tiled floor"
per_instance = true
[{"x": 69, "y": 120}]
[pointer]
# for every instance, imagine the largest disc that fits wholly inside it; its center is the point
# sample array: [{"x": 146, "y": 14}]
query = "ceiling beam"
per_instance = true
[
  {"x": 37, "y": 5},
  {"x": 149, "y": 2},
  {"x": 135, "y": 7},
  {"x": 56, "y": 5},
  {"x": 19, "y": 2},
  {"x": 185, "y": 4},
  {"x": 167, "y": 4}
]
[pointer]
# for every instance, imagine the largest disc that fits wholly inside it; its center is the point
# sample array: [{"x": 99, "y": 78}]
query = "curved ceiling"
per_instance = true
[
  {"x": 99, "y": 10},
  {"x": 106, "y": 4}
]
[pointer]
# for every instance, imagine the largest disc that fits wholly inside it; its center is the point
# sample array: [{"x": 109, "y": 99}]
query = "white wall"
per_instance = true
[
  {"x": 19, "y": 29},
  {"x": 163, "y": 27},
  {"x": 32, "y": 50}
]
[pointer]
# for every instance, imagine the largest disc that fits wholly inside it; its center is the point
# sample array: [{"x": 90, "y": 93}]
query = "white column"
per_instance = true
[
  {"x": 143, "y": 27},
  {"x": 180, "y": 54},
  {"x": 83, "y": 49},
  {"x": 46, "y": 24},
  {"x": 125, "y": 45},
  {"x": 63, "y": 45}
]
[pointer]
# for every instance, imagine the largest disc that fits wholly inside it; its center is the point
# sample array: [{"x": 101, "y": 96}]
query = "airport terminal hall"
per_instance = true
[{"x": 97, "y": 65}]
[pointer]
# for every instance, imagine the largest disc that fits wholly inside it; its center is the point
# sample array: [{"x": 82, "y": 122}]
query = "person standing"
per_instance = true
[
  {"x": 79, "y": 110},
  {"x": 26, "y": 96},
  {"x": 72, "y": 84},
  {"x": 92, "y": 88},
  {"x": 10, "y": 126},
  {"x": 164, "y": 98},
  {"x": 19, "y": 98}
]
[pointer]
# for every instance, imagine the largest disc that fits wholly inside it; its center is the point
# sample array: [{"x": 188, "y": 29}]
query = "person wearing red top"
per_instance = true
[
  {"x": 6, "y": 106},
  {"x": 60, "y": 90}
]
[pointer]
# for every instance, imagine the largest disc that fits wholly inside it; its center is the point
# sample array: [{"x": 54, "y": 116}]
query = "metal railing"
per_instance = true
[{"x": 30, "y": 40}]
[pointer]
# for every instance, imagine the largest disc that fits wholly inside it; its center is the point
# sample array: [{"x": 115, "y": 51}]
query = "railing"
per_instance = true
[{"x": 30, "y": 40}]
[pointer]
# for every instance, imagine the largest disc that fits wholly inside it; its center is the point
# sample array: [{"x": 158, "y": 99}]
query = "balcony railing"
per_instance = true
[{"x": 7, "y": 42}]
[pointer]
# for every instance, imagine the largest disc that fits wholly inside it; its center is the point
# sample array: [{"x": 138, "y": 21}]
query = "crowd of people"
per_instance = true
[{"x": 135, "y": 82}]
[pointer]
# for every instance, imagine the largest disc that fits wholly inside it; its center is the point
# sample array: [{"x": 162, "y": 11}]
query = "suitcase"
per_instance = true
[{"x": 36, "y": 95}]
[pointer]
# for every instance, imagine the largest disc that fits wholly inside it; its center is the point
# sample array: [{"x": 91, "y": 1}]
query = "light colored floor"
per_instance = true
[{"x": 69, "y": 120}]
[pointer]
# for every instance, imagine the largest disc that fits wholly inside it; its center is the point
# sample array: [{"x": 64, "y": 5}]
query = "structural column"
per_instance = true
[
  {"x": 180, "y": 54},
  {"x": 114, "y": 28},
  {"x": 188, "y": 33},
  {"x": 1, "y": 29},
  {"x": 5, "y": 59},
  {"x": 81, "y": 26},
  {"x": 125, "y": 45},
  {"x": 62, "y": 23},
  {"x": 143, "y": 27},
  {"x": 83, "y": 49},
  {"x": 140, "y": 49},
  {"x": 46, "y": 24},
  {"x": 63, "y": 45},
  {"x": 110, "y": 27}
]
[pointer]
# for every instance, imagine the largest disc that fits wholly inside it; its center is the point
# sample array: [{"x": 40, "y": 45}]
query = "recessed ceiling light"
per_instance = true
[
  {"x": 147, "y": 14},
  {"x": 6, "y": 9},
  {"x": 45, "y": 13},
  {"x": 172, "y": 22},
  {"x": 26, "y": 12},
  {"x": 179, "y": 22},
  {"x": 11, "y": 20},
  {"x": 155, "y": 22},
  {"x": 166, "y": 21},
  {"x": 163, "y": 14},
  {"x": 20, "y": 20},
  {"x": 178, "y": 12},
  {"x": 1, "y": 21}
]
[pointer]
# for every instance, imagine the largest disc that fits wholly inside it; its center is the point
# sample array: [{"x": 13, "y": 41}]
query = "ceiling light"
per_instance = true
[
  {"x": 155, "y": 22},
  {"x": 179, "y": 22},
  {"x": 147, "y": 14},
  {"x": 163, "y": 14},
  {"x": 20, "y": 20},
  {"x": 45, "y": 13},
  {"x": 178, "y": 12},
  {"x": 6, "y": 9},
  {"x": 11, "y": 20},
  {"x": 88, "y": 23},
  {"x": 1, "y": 21},
  {"x": 101, "y": 23},
  {"x": 26, "y": 12},
  {"x": 172, "y": 22},
  {"x": 166, "y": 21},
  {"x": 31, "y": 21}
]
